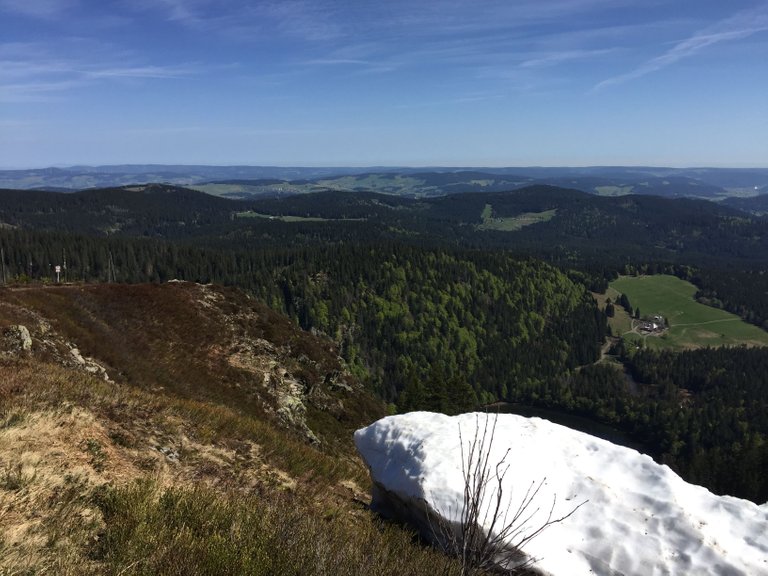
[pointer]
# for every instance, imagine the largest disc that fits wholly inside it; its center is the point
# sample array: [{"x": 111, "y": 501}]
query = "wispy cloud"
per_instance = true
[
  {"x": 36, "y": 91},
  {"x": 338, "y": 62},
  {"x": 37, "y": 8},
  {"x": 35, "y": 76},
  {"x": 342, "y": 21},
  {"x": 742, "y": 25},
  {"x": 242, "y": 20},
  {"x": 138, "y": 72},
  {"x": 355, "y": 66},
  {"x": 554, "y": 58}
]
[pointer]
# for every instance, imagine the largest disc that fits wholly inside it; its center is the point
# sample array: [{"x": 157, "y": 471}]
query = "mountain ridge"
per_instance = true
[{"x": 419, "y": 181}]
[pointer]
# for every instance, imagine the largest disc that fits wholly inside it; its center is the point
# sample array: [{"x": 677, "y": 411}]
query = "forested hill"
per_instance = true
[
  {"x": 490, "y": 325},
  {"x": 151, "y": 210},
  {"x": 563, "y": 226},
  {"x": 401, "y": 314},
  {"x": 440, "y": 303},
  {"x": 756, "y": 205}
]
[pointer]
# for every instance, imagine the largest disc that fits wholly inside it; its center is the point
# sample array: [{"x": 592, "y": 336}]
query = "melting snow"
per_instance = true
[{"x": 640, "y": 518}]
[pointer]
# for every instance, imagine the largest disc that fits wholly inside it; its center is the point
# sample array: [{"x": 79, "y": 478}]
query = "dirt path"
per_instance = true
[{"x": 710, "y": 322}]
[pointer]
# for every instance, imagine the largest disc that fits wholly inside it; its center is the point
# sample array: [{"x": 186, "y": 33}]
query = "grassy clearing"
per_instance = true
[
  {"x": 621, "y": 322},
  {"x": 613, "y": 190},
  {"x": 252, "y": 214},
  {"x": 692, "y": 325},
  {"x": 512, "y": 223},
  {"x": 225, "y": 190}
]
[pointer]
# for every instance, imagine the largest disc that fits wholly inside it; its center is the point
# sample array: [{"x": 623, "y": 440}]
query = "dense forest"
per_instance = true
[
  {"x": 434, "y": 313},
  {"x": 702, "y": 412},
  {"x": 400, "y": 313},
  {"x": 743, "y": 292},
  {"x": 582, "y": 229}
]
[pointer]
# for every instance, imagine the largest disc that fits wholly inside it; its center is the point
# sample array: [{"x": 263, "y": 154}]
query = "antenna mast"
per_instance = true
[{"x": 111, "y": 269}]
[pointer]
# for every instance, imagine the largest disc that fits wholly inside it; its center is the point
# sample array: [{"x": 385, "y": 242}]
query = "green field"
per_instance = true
[
  {"x": 221, "y": 189},
  {"x": 512, "y": 223},
  {"x": 288, "y": 218},
  {"x": 613, "y": 190},
  {"x": 252, "y": 214},
  {"x": 691, "y": 324}
]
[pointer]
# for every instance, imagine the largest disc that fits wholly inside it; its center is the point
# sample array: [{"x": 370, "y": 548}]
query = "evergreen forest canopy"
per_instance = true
[{"x": 436, "y": 310}]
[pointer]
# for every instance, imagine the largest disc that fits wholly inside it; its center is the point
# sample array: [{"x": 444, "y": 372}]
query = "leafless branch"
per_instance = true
[{"x": 491, "y": 532}]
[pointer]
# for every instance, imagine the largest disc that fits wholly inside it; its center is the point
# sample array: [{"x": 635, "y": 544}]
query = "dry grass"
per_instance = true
[
  {"x": 116, "y": 480},
  {"x": 198, "y": 531}
]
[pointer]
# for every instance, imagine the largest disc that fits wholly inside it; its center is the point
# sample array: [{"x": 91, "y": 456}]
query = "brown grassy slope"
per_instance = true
[
  {"x": 181, "y": 462},
  {"x": 198, "y": 342}
]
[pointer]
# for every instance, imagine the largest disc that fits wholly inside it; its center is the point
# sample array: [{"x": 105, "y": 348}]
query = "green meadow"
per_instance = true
[
  {"x": 512, "y": 223},
  {"x": 691, "y": 324},
  {"x": 252, "y": 214}
]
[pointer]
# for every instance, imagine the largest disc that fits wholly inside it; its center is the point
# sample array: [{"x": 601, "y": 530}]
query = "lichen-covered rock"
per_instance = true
[
  {"x": 88, "y": 364},
  {"x": 18, "y": 339},
  {"x": 291, "y": 409}
]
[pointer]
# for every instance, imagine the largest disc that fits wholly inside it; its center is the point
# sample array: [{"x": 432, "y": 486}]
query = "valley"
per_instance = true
[{"x": 228, "y": 348}]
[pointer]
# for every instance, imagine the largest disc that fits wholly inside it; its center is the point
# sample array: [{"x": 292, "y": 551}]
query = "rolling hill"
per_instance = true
[
  {"x": 251, "y": 181},
  {"x": 550, "y": 222}
]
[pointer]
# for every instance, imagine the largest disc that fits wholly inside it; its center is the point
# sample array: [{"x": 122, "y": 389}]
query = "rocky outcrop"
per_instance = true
[
  {"x": 43, "y": 341},
  {"x": 202, "y": 341},
  {"x": 88, "y": 364},
  {"x": 17, "y": 339}
]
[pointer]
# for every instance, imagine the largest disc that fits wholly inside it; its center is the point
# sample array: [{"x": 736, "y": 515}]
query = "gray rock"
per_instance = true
[{"x": 18, "y": 338}]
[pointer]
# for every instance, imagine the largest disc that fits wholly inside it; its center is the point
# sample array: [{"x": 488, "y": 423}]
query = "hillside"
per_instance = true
[
  {"x": 203, "y": 343},
  {"x": 149, "y": 211},
  {"x": 755, "y": 205},
  {"x": 435, "y": 184},
  {"x": 180, "y": 429},
  {"x": 562, "y": 225}
]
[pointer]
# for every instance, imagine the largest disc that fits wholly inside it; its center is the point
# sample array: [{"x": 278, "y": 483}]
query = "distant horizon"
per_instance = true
[{"x": 385, "y": 166}]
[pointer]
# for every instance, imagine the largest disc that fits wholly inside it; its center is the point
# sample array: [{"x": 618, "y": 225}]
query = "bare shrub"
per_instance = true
[{"x": 490, "y": 535}]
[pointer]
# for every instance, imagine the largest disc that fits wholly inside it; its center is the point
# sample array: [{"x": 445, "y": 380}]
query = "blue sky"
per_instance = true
[{"x": 385, "y": 82}]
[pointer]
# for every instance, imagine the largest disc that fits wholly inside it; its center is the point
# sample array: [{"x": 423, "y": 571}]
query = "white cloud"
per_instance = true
[{"x": 742, "y": 25}]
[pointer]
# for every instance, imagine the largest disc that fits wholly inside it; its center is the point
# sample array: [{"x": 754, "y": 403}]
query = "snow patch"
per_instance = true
[{"x": 640, "y": 517}]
